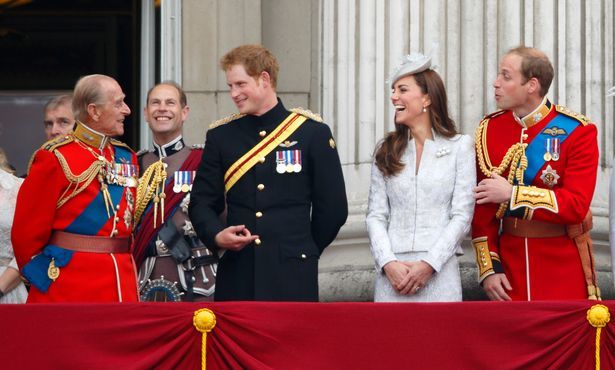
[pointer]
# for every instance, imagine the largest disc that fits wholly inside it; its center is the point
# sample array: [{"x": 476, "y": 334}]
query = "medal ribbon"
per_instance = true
[
  {"x": 535, "y": 149},
  {"x": 264, "y": 147}
]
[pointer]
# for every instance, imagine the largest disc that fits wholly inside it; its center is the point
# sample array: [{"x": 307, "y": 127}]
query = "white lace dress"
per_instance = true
[
  {"x": 9, "y": 186},
  {"x": 423, "y": 216}
]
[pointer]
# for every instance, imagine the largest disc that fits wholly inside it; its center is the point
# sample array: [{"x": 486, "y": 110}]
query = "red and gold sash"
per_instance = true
[{"x": 260, "y": 150}]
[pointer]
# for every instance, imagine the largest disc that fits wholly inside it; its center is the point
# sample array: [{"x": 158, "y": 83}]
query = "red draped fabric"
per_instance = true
[{"x": 261, "y": 335}]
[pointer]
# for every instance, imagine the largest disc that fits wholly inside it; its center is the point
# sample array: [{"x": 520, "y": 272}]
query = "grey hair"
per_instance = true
[{"x": 88, "y": 90}]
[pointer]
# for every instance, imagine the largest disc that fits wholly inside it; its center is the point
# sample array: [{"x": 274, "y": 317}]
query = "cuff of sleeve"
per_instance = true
[
  {"x": 383, "y": 261},
  {"x": 210, "y": 238},
  {"x": 433, "y": 263},
  {"x": 533, "y": 198},
  {"x": 488, "y": 262}
]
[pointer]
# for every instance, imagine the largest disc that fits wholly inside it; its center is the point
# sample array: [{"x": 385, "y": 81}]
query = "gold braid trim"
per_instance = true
[
  {"x": 225, "y": 120},
  {"x": 514, "y": 159},
  {"x": 307, "y": 113},
  {"x": 77, "y": 183},
  {"x": 151, "y": 182}
]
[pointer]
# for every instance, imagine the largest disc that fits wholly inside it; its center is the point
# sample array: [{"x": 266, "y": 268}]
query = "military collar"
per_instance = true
[
  {"x": 90, "y": 137},
  {"x": 170, "y": 148},
  {"x": 536, "y": 115},
  {"x": 275, "y": 115}
]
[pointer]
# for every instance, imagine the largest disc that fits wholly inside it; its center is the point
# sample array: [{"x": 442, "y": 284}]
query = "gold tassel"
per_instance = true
[
  {"x": 151, "y": 187},
  {"x": 204, "y": 321},
  {"x": 598, "y": 316}
]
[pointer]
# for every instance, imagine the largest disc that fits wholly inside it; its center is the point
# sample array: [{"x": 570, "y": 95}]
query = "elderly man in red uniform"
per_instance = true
[
  {"x": 537, "y": 165},
  {"x": 74, "y": 213}
]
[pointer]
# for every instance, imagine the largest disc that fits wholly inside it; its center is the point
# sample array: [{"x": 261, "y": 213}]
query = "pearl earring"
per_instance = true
[{"x": 424, "y": 109}]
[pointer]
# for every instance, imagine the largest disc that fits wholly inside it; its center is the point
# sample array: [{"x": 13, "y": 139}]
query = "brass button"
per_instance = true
[
  {"x": 259, "y": 214},
  {"x": 262, "y": 160},
  {"x": 257, "y": 242},
  {"x": 262, "y": 133},
  {"x": 260, "y": 187}
]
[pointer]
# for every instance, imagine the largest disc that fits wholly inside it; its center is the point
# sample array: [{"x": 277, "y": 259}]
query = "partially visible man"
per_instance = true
[
  {"x": 174, "y": 265},
  {"x": 74, "y": 213},
  {"x": 279, "y": 175},
  {"x": 537, "y": 165},
  {"x": 59, "y": 119}
]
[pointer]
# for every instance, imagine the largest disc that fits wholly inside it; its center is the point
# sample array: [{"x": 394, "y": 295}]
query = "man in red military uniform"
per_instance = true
[
  {"x": 74, "y": 213},
  {"x": 537, "y": 165}
]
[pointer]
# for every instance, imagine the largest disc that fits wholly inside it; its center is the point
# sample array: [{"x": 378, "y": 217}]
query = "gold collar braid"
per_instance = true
[
  {"x": 514, "y": 159},
  {"x": 151, "y": 185}
]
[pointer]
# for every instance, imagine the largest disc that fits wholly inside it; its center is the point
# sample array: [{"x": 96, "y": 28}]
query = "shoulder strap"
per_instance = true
[
  {"x": 57, "y": 142},
  {"x": 307, "y": 113},
  {"x": 225, "y": 120},
  {"x": 572, "y": 114}
]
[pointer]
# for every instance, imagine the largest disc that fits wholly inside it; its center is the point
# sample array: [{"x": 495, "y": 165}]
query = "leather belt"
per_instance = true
[
  {"x": 89, "y": 243},
  {"x": 531, "y": 228}
]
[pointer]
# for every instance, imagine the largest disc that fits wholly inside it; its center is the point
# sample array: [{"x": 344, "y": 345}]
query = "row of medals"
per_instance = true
[
  {"x": 183, "y": 181},
  {"x": 122, "y": 174},
  {"x": 552, "y": 149},
  {"x": 288, "y": 161}
]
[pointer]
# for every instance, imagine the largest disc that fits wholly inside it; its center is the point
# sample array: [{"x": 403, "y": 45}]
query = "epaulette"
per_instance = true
[
  {"x": 307, "y": 113},
  {"x": 494, "y": 114},
  {"x": 578, "y": 116},
  {"x": 119, "y": 143},
  {"x": 142, "y": 152},
  {"x": 225, "y": 120},
  {"x": 198, "y": 146},
  {"x": 57, "y": 142}
]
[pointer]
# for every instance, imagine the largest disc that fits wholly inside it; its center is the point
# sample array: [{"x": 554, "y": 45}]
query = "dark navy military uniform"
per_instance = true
[{"x": 295, "y": 214}]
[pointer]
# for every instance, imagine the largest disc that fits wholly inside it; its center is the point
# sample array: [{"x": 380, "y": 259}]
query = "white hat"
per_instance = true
[
  {"x": 410, "y": 64},
  {"x": 610, "y": 92}
]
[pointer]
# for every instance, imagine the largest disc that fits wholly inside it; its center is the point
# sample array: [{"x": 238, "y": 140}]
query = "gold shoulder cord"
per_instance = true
[
  {"x": 77, "y": 183},
  {"x": 152, "y": 182},
  {"x": 514, "y": 159}
]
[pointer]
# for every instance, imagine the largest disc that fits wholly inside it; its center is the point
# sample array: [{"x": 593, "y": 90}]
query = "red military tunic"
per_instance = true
[
  {"x": 557, "y": 191},
  {"x": 63, "y": 192}
]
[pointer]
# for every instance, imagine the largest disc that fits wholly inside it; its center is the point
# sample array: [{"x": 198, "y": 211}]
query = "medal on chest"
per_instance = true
[
  {"x": 288, "y": 161},
  {"x": 552, "y": 149},
  {"x": 182, "y": 181}
]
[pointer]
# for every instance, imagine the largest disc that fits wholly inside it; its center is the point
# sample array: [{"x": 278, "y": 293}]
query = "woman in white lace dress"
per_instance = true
[
  {"x": 12, "y": 289},
  {"x": 420, "y": 201}
]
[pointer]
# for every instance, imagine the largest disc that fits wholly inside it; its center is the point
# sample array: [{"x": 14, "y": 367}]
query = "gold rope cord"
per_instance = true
[
  {"x": 514, "y": 159},
  {"x": 150, "y": 183},
  {"x": 204, "y": 320},
  {"x": 598, "y": 316},
  {"x": 77, "y": 183}
]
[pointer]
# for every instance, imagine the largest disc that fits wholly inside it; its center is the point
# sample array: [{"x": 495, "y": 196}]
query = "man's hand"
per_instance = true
[
  {"x": 234, "y": 238},
  {"x": 496, "y": 286},
  {"x": 493, "y": 190},
  {"x": 396, "y": 272}
]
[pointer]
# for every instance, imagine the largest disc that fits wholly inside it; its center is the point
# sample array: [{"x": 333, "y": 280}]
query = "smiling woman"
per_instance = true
[{"x": 420, "y": 202}]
